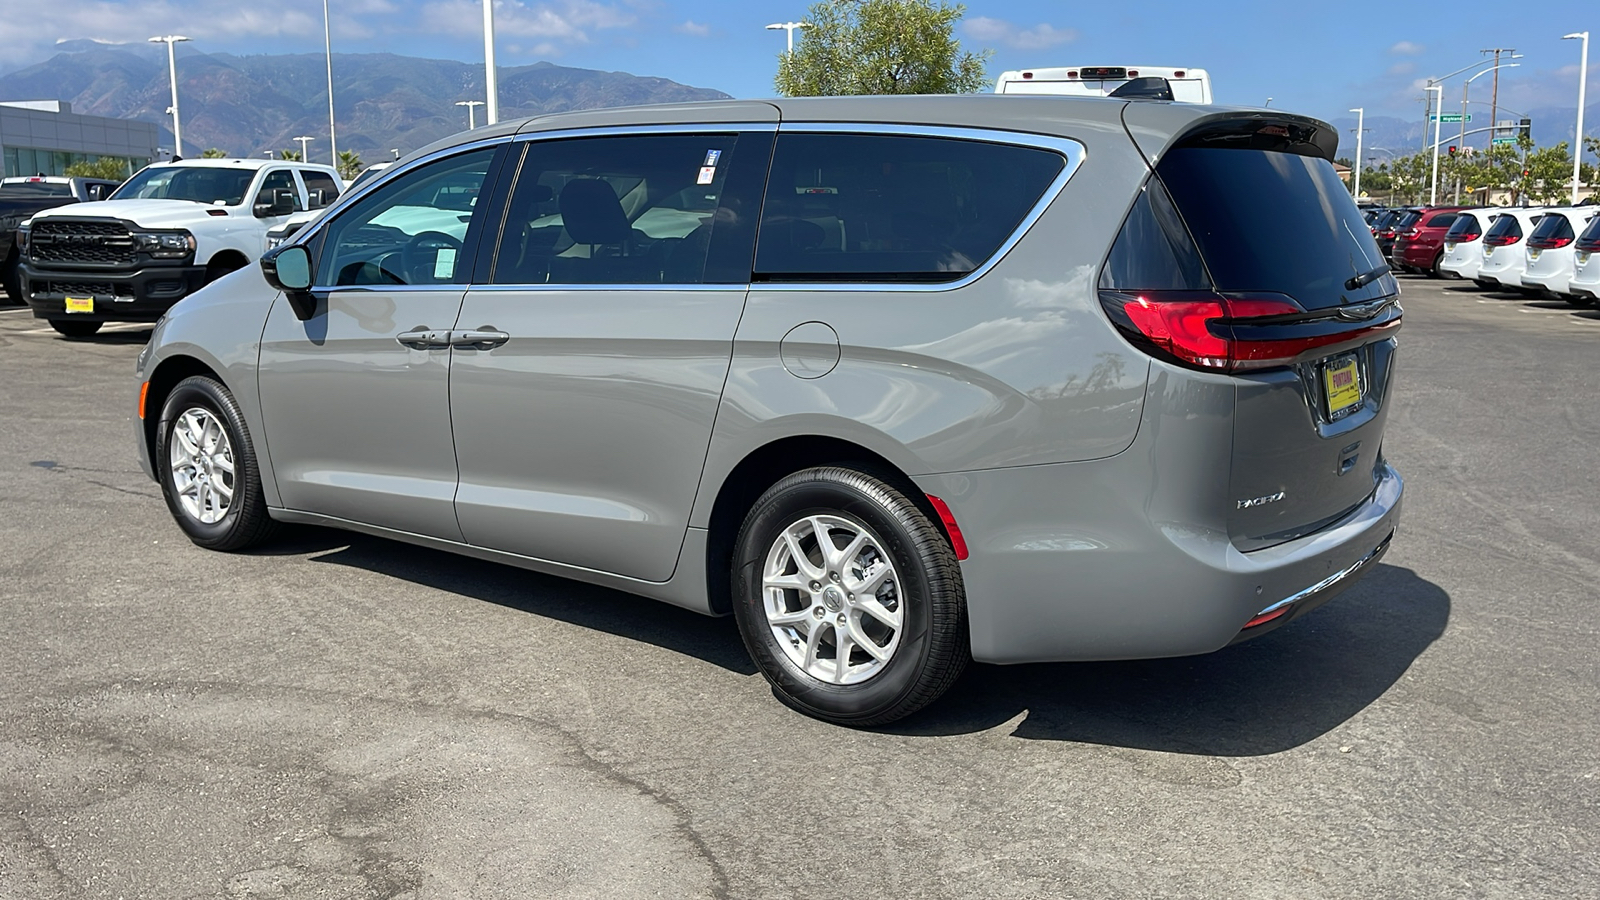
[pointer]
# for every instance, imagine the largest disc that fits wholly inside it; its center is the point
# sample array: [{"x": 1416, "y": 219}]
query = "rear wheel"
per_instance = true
[
  {"x": 75, "y": 328},
  {"x": 208, "y": 467},
  {"x": 1438, "y": 260},
  {"x": 849, "y": 598}
]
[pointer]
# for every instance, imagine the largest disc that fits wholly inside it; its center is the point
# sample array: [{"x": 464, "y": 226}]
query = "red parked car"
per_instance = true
[{"x": 1420, "y": 247}]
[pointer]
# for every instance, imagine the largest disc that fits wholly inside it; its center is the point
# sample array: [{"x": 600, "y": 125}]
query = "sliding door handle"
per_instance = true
[
  {"x": 485, "y": 338},
  {"x": 424, "y": 339}
]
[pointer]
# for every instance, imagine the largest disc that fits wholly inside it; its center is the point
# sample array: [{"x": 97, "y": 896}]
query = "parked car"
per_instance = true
[
  {"x": 972, "y": 382},
  {"x": 21, "y": 198},
  {"x": 1504, "y": 258},
  {"x": 1463, "y": 247},
  {"x": 1552, "y": 250},
  {"x": 170, "y": 229},
  {"x": 1390, "y": 227},
  {"x": 1586, "y": 262},
  {"x": 1420, "y": 246}
]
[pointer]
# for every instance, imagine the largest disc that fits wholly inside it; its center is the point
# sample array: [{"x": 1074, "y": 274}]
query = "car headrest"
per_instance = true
[{"x": 592, "y": 214}]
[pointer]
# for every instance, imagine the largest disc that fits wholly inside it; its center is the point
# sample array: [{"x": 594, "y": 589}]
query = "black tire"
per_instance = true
[
  {"x": 246, "y": 522},
  {"x": 933, "y": 646},
  {"x": 11, "y": 279},
  {"x": 1433, "y": 270},
  {"x": 75, "y": 328}
]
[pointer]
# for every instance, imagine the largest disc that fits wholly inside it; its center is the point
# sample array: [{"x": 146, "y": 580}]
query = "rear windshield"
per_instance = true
[
  {"x": 1407, "y": 219},
  {"x": 36, "y": 189},
  {"x": 1592, "y": 233},
  {"x": 1386, "y": 220},
  {"x": 1270, "y": 221},
  {"x": 202, "y": 184},
  {"x": 1506, "y": 226},
  {"x": 1464, "y": 227},
  {"x": 1442, "y": 220},
  {"x": 1552, "y": 228}
]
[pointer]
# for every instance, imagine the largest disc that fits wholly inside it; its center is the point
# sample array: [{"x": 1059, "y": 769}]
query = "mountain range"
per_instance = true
[
  {"x": 247, "y": 105},
  {"x": 1388, "y": 137}
]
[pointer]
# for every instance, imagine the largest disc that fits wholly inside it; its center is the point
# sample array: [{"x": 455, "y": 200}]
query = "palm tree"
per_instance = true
[{"x": 350, "y": 164}]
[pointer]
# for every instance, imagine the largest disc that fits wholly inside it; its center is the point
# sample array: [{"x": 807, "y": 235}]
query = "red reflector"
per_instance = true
[
  {"x": 958, "y": 542},
  {"x": 1026, "y": 75},
  {"x": 1133, "y": 73},
  {"x": 1266, "y": 617},
  {"x": 1072, "y": 74},
  {"x": 144, "y": 390},
  {"x": 1178, "y": 74}
]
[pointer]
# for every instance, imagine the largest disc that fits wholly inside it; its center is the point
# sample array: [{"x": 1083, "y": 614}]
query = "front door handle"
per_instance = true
[
  {"x": 485, "y": 338},
  {"x": 424, "y": 339}
]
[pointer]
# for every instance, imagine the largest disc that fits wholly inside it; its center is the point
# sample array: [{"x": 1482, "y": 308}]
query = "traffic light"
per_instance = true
[
  {"x": 1452, "y": 149},
  {"x": 1526, "y": 124}
]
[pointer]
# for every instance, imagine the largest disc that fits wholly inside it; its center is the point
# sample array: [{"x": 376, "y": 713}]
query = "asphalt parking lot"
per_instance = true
[{"x": 352, "y": 718}]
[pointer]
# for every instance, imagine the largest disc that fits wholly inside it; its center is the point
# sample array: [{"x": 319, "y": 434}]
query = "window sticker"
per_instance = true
[
  {"x": 707, "y": 174},
  {"x": 712, "y": 156},
  {"x": 444, "y": 263}
]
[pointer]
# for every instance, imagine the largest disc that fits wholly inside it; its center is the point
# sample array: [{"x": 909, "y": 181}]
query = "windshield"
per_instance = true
[
  {"x": 1312, "y": 242},
  {"x": 35, "y": 189},
  {"x": 201, "y": 184}
]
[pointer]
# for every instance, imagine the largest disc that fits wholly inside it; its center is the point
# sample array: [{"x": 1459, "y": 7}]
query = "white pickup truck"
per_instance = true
[{"x": 168, "y": 231}]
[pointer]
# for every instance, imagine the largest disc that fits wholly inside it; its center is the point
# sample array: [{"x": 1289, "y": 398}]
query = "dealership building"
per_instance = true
[{"x": 46, "y": 136}]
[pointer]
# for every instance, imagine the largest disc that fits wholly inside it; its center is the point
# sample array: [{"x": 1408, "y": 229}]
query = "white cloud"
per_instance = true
[
  {"x": 567, "y": 22},
  {"x": 693, "y": 29},
  {"x": 1000, "y": 31},
  {"x": 1406, "y": 48}
]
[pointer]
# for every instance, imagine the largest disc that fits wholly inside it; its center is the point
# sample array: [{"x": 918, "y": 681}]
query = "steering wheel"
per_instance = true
[{"x": 420, "y": 257}]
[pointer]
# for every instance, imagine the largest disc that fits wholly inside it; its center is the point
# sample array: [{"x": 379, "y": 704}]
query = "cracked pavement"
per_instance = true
[{"x": 346, "y": 717}]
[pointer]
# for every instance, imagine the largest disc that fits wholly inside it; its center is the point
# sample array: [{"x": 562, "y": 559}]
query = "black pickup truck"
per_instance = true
[{"x": 22, "y": 197}]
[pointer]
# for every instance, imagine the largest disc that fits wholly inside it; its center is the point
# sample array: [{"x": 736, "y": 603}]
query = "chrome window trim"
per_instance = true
[
  {"x": 1073, "y": 151},
  {"x": 646, "y": 286},
  {"x": 627, "y": 130}
]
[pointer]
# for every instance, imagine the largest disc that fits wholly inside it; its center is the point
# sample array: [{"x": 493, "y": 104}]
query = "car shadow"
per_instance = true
[
  {"x": 713, "y": 640},
  {"x": 113, "y": 338},
  {"x": 1263, "y": 696}
]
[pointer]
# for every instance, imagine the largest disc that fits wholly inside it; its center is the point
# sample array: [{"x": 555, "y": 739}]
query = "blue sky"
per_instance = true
[{"x": 1320, "y": 60}]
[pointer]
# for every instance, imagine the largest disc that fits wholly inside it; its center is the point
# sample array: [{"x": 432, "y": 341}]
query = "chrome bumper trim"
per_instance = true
[{"x": 1331, "y": 580}]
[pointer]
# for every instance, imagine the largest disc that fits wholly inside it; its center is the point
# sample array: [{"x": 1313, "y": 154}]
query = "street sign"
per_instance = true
[
  {"x": 1505, "y": 140},
  {"x": 1449, "y": 117}
]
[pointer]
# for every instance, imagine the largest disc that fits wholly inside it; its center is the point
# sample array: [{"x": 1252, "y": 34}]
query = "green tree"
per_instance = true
[
  {"x": 290, "y": 155},
  {"x": 214, "y": 153},
  {"x": 350, "y": 164},
  {"x": 1549, "y": 175},
  {"x": 103, "y": 167},
  {"x": 880, "y": 47}
]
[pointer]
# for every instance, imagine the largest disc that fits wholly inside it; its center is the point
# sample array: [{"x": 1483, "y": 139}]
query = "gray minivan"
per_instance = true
[{"x": 898, "y": 382}]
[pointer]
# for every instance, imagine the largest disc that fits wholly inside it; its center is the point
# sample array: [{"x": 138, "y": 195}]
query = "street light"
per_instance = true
[
  {"x": 1583, "y": 78},
  {"x": 471, "y": 106},
  {"x": 1268, "y": 103},
  {"x": 1462, "y": 140},
  {"x": 491, "y": 115},
  {"x": 1440, "y": 80},
  {"x": 172, "y": 75},
  {"x": 1433, "y": 181},
  {"x": 790, "y": 28},
  {"x": 304, "y": 139},
  {"x": 1361, "y": 118},
  {"x": 327, "y": 45}
]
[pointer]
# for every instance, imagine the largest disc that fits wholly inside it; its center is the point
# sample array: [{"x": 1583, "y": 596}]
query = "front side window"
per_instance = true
[
  {"x": 409, "y": 232},
  {"x": 895, "y": 208},
  {"x": 201, "y": 184},
  {"x": 280, "y": 180},
  {"x": 635, "y": 209}
]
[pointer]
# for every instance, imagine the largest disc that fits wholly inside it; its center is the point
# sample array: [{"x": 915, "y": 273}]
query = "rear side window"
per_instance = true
[
  {"x": 893, "y": 208},
  {"x": 1274, "y": 221},
  {"x": 1464, "y": 228},
  {"x": 320, "y": 181},
  {"x": 1442, "y": 220}
]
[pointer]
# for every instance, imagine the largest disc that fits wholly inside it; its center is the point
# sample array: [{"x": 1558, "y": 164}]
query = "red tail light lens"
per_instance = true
[
  {"x": 1205, "y": 332},
  {"x": 1502, "y": 240},
  {"x": 1548, "y": 243}
]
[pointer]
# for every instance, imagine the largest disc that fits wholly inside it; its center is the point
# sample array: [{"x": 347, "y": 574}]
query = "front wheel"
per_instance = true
[
  {"x": 208, "y": 467},
  {"x": 74, "y": 328},
  {"x": 849, "y": 598}
]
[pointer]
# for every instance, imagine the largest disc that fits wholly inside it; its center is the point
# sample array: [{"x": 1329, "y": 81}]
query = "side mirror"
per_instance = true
[
  {"x": 274, "y": 202},
  {"x": 289, "y": 270},
  {"x": 319, "y": 199}
]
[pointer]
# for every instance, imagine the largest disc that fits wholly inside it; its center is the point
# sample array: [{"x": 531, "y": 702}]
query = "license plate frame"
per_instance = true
[
  {"x": 1341, "y": 398},
  {"x": 77, "y": 305}
]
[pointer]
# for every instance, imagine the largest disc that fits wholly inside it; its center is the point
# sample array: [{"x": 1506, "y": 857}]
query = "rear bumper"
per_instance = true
[
  {"x": 139, "y": 295},
  {"x": 1556, "y": 282}
]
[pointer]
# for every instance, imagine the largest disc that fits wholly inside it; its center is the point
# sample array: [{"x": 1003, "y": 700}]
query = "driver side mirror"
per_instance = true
[
  {"x": 289, "y": 270},
  {"x": 274, "y": 202},
  {"x": 318, "y": 198}
]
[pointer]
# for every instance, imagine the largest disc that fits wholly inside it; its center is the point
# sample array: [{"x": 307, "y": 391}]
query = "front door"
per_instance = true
[
  {"x": 356, "y": 399},
  {"x": 582, "y": 419}
]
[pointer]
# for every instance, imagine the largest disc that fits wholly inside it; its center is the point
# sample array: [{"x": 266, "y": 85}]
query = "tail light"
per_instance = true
[
  {"x": 1409, "y": 235},
  {"x": 1502, "y": 240},
  {"x": 1463, "y": 237},
  {"x": 1232, "y": 333},
  {"x": 1589, "y": 245},
  {"x": 1550, "y": 243}
]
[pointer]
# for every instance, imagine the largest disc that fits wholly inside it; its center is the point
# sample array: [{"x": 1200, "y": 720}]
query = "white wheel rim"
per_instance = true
[
  {"x": 202, "y": 465},
  {"x": 833, "y": 599}
]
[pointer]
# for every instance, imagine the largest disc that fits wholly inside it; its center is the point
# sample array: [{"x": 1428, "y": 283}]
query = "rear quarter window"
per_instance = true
[{"x": 856, "y": 207}]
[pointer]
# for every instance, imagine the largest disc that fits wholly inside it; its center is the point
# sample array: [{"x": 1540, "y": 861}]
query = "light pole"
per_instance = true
[
  {"x": 1268, "y": 103},
  {"x": 491, "y": 113},
  {"x": 1433, "y": 181},
  {"x": 304, "y": 139},
  {"x": 790, "y": 28},
  {"x": 471, "y": 106},
  {"x": 327, "y": 45},
  {"x": 1461, "y": 142},
  {"x": 1361, "y": 118},
  {"x": 1577, "y": 138},
  {"x": 172, "y": 75}
]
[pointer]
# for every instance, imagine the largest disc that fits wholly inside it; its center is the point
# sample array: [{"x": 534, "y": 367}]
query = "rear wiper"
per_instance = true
[{"x": 1366, "y": 278}]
